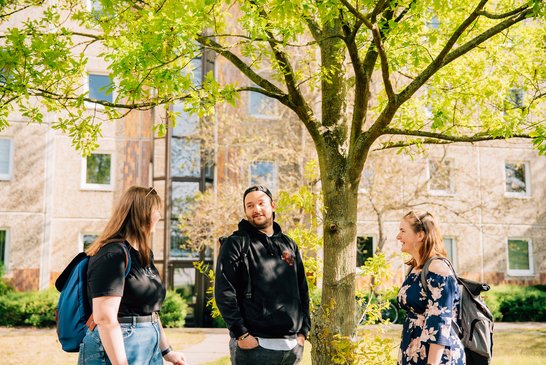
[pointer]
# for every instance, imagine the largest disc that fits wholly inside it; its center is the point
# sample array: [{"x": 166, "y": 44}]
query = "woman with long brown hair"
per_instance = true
[
  {"x": 127, "y": 328},
  {"x": 427, "y": 334}
]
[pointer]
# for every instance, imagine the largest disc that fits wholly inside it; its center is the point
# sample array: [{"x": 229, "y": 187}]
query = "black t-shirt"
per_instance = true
[{"x": 142, "y": 291}]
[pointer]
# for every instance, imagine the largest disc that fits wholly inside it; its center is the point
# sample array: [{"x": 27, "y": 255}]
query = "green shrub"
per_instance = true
[
  {"x": 5, "y": 286},
  {"x": 510, "y": 303},
  {"x": 28, "y": 308},
  {"x": 174, "y": 310}
]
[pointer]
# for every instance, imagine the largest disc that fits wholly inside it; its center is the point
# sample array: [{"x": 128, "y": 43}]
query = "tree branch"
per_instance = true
[
  {"x": 261, "y": 91},
  {"x": 439, "y": 138},
  {"x": 281, "y": 57},
  {"x": 468, "y": 46},
  {"x": 17, "y": 10},
  {"x": 136, "y": 106},
  {"x": 241, "y": 65},
  {"x": 261, "y": 39},
  {"x": 438, "y": 62},
  {"x": 378, "y": 40},
  {"x": 489, "y": 15}
]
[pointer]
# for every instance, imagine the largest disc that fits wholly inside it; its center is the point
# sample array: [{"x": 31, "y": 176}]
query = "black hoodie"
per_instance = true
[{"x": 279, "y": 303}]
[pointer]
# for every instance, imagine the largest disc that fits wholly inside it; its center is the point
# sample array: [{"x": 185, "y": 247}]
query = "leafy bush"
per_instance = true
[
  {"x": 5, "y": 286},
  {"x": 510, "y": 303},
  {"x": 28, "y": 308},
  {"x": 174, "y": 310}
]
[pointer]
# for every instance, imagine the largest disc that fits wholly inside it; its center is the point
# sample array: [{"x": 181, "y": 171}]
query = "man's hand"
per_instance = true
[
  {"x": 301, "y": 339},
  {"x": 248, "y": 343}
]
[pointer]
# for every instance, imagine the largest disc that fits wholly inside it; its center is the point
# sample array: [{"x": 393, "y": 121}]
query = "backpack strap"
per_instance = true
[
  {"x": 244, "y": 257},
  {"x": 90, "y": 322},
  {"x": 424, "y": 271},
  {"x": 246, "y": 249}
]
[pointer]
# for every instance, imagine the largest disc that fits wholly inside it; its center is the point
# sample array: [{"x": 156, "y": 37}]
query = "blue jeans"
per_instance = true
[
  {"x": 141, "y": 345},
  {"x": 261, "y": 356}
]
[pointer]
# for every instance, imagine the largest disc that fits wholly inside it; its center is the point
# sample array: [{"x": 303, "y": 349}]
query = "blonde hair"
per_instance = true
[
  {"x": 132, "y": 219},
  {"x": 433, "y": 243}
]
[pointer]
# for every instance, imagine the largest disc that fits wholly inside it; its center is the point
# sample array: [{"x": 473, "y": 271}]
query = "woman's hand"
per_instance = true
[
  {"x": 248, "y": 343},
  {"x": 176, "y": 357},
  {"x": 301, "y": 339}
]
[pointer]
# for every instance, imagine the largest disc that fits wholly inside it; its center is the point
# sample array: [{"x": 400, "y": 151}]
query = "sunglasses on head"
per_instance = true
[
  {"x": 420, "y": 221},
  {"x": 150, "y": 191}
]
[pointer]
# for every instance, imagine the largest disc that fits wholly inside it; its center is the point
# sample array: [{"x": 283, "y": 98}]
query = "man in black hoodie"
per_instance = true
[{"x": 261, "y": 288}]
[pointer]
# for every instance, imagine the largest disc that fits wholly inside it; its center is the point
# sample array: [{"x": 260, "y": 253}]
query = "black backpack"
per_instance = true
[
  {"x": 476, "y": 331},
  {"x": 246, "y": 247}
]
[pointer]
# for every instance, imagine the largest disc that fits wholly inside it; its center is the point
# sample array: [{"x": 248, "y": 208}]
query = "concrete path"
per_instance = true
[{"x": 213, "y": 347}]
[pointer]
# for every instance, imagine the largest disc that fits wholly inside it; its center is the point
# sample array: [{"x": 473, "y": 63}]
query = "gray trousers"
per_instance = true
[{"x": 261, "y": 356}]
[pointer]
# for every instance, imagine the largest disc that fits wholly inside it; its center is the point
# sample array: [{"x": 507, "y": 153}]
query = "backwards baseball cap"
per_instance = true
[{"x": 257, "y": 188}]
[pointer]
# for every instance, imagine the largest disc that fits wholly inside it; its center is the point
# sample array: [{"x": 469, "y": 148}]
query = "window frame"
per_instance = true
[
  {"x": 9, "y": 175},
  {"x": 275, "y": 112},
  {"x": 515, "y": 272},
  {"x": 81, "y": 241},
  {"x": 451, "y": 190},
  {"x": 86, "y": 84},
  {"x": 454, "y": 258},
  {"x": 100, "y": 187},
  {"x": 514, "y": 194},
  {"x": 273, "y": 186},
  {"x": 374, "y": 245},
  {"x": 6, "y": 248}
]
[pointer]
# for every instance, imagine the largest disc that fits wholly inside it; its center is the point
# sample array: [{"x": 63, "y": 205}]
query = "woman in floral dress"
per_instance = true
[{"x": 427, "y": 335}]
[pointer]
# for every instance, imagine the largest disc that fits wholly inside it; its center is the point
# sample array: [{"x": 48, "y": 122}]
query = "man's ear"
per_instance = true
[{"x": 273, "y": 205}]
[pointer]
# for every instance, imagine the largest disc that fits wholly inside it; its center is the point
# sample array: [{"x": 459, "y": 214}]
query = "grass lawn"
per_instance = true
[
  {"x": 40, "y": 346},
  {"x": 512, "y": 346}
]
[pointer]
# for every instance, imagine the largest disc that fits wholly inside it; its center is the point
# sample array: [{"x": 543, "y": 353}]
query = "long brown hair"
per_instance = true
[
  {"x": 433, "y": 243},
  {"x": 131, "y": 220}
]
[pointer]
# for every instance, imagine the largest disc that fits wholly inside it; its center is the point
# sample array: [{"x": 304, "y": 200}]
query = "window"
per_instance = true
[
  {"x": 440, "y": 180},
  {"x": 364, "y": 249},
  {"x": 449, "y": 244},
  {"x": 95, "y": 7},
  {"x": 183, "y": 195},
  {"x": 100, "y": 87},
  {"x": 97, "y": 171},
  {"x": 517, "y": 179},
  {"x": 262, "y": 106},
  {"x": 264, "y": 173},
  {"x": 520, "y": 257},
  {"x": 186, "y": 157},
  {"x": 4, "y": 249},
  {"x": 87, "y": 239},
  {"x": 6, "y": 158},
  {"x": 515, "y": 98}
]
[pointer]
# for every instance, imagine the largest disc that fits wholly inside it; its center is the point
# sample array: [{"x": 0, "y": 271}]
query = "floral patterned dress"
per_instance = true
[{"x": 429, "y": 320}]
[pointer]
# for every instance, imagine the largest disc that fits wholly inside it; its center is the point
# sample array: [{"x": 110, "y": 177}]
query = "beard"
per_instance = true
[{"x": 262, "y": 224}]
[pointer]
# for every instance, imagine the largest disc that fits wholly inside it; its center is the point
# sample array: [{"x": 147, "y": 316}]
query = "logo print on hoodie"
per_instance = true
[{"x": 287, "y": 257}]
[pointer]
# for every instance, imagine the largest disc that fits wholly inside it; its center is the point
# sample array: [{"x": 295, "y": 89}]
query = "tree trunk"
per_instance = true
[{"x": 336, "y": 315}]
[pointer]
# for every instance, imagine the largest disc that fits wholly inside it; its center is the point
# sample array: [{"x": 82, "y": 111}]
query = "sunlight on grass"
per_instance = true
[
  {"x": 525, "y": 345},
  {"x": 14, "y": 345}
]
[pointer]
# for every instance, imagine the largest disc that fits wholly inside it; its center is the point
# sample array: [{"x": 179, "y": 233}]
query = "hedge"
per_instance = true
[
  {"x": 511, "y": 303},
  {"x": 37, "y": 308}
]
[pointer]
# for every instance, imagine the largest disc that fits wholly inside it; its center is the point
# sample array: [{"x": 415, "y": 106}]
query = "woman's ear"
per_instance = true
[{"x": 421, "y": 236}]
